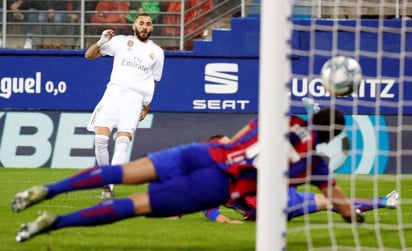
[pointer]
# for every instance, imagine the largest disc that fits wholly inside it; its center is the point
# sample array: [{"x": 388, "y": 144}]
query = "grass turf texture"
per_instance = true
[{"x": 193, "y": 232}]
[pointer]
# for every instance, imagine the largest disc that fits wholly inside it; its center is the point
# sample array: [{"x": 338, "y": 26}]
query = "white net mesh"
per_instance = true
[{"x": 378, "y": 34}]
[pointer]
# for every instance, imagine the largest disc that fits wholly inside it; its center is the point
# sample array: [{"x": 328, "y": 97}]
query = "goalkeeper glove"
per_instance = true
[
  {"x": 311, "y": 106},
  {"x": 105, "y": 37}
]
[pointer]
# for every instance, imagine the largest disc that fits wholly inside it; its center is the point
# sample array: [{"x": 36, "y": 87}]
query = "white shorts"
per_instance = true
[{"x": 119, "y": 108}]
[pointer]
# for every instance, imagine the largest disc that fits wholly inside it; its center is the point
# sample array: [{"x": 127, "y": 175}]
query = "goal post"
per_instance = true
[{"x": 274, "y": 75}]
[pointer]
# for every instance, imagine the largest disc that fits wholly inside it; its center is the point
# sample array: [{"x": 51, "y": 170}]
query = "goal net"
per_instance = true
[{"x": 372, "y": 157}]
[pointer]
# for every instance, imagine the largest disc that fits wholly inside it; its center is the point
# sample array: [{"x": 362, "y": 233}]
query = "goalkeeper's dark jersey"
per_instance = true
[{"x": 304, "y": 165}]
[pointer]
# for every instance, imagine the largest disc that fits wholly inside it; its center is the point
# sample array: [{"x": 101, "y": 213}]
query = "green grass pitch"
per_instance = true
[{"x": 194, "y": 231}]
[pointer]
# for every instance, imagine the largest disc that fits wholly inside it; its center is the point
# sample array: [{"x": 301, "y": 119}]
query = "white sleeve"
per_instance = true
[
  {"x": 108, "y": 48},
  {"x": 158, "y": 66}
]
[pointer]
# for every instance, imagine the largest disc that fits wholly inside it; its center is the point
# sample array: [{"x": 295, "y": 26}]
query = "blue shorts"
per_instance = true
[
  {"x": 201, "y": 189},
  {"x": 296, "y": 206},
  {"x": 180, "y": 160}
]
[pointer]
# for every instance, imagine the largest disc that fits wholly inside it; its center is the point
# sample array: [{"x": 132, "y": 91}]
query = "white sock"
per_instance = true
[
  {"x": 101, "y": 149},
  {"x": 120, "y": 152}
]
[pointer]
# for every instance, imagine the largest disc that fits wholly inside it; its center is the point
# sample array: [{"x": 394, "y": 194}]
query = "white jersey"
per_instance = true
[{"x": 136, "y": 65}]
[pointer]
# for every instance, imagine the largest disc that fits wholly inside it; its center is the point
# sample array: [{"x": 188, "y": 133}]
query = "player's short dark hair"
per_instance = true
[
  {"x": 328, "y": 123},
  {"x": 215, "y": 137},
  {"x": 145, "y": 14}
]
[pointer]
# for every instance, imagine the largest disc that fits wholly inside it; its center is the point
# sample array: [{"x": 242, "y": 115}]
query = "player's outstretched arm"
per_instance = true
[
  {"x": 240, "y": 133},
  {"x": 215, "y": 215},
  {"x": 94, "y": 50},
  {"x": 224, "y": 219}
]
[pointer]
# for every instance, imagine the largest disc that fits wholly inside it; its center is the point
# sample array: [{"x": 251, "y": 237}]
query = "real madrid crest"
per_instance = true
[{"x": 130, "y": 43}]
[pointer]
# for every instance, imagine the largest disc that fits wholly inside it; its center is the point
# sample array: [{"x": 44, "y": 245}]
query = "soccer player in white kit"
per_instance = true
[{"x": 137, "y": 66}]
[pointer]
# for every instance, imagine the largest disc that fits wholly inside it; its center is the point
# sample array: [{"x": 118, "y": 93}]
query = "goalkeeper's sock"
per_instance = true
[
  {"x": 365, "y": 205},
  {"x": 108, "y": 211},
  {"x": 93, "y": 177}
]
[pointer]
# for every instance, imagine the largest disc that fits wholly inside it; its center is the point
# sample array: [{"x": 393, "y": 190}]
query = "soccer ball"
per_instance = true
[{"x": 341, "y": 75}]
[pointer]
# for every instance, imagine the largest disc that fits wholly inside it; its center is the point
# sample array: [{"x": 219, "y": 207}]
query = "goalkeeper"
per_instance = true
[{"x": 298, "y": 203}]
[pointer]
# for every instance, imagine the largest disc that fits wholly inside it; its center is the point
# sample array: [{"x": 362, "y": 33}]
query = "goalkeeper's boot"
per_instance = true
[
  {"x": 43, "y": 223},
  {"x": 392, "y": 200},
  {"x": 107, "y": 193},
  {"x": 28, "y": 198}
]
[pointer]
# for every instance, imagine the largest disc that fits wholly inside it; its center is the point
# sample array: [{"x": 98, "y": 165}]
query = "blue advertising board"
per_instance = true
[
  {"x": 208, "y": 85},
  {"x": 57, "y": 81},
  {"x": 51, "y": 80}
]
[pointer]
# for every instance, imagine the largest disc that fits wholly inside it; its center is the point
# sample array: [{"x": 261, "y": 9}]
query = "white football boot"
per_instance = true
[
  {"x": 28, "y": 198},
  {"x": 392, "y": 200},
  {"x": 40, "y": 225}
]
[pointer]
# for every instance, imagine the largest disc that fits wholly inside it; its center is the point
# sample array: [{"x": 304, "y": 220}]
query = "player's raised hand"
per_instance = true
[
  {"x": 105, "y": 37},
  {"x": 311, "y": 105}
]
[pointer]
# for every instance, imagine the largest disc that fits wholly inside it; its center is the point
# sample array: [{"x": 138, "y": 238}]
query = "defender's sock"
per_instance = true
[
  {"x": 106, "y": 212},
  {"x": 89, "y": 178}
]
